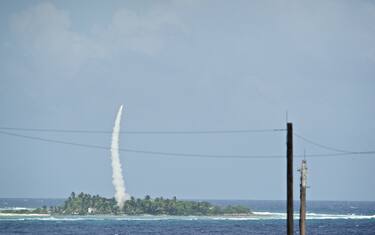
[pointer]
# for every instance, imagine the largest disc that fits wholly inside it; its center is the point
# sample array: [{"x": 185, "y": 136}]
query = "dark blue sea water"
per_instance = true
[{"x": 324, "y": 217}]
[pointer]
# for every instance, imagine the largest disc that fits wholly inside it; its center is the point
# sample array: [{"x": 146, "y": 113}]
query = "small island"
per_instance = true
[{"x": 86, "y": 204}]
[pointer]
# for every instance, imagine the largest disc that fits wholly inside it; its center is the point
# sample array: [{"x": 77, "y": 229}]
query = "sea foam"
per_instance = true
[{"x": 255, "y": 216}]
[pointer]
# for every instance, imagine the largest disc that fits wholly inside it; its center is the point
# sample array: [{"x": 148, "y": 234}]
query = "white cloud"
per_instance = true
[
  {"x": 41, "y": 19},
  {"x": 46, "y": 33},
  {"x": 141, "y": 31}
]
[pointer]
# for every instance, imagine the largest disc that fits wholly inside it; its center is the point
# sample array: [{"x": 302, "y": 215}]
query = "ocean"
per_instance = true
[{"x": 323, "y": 217}]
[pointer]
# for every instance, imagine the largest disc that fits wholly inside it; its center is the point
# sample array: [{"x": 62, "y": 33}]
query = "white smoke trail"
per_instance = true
[{"x": 117, "y": 179}]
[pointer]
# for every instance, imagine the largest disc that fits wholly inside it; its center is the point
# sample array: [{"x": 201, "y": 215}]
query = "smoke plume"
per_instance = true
[{"x": 117, "y": 179}]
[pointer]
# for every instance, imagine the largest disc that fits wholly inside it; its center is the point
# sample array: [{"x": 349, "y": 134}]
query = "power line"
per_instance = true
[
  {"x": 183, "y": 132},
  {"x": 138, "y": 151},
  {"x": 321, "y": 145},
  {"x": 359, "y": 153},
  {"x": 341, "y": 151},
  {"x": 192, "y": 155}
]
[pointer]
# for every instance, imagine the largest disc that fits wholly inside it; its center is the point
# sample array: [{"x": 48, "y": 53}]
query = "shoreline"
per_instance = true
[
  {"x": 255, "y": 216},
  {"x": 249, "y": 215},
  {"x": 24, "y": 214}
]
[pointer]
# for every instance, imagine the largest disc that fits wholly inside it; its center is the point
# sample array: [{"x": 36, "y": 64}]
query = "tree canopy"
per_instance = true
[{"x": 84, "y": 204}]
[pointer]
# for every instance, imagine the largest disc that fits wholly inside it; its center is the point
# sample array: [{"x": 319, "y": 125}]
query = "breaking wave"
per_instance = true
[
  {"x": 255, "y": 216},
  {"x": 314, "y": 216}
]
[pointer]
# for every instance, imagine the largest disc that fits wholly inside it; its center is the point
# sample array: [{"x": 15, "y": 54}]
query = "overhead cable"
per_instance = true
[
  {"x": 192, "y": 155},
  {"x": 179, "y": 132},
  {"x": 321, "y": 145}
]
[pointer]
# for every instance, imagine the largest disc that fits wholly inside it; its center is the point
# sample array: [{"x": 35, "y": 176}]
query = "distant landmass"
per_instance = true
[{"x": 86, "y": 204}]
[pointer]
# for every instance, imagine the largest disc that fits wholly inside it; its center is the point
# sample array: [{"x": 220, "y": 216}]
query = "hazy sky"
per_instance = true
[{"x": 187, "y": 65}]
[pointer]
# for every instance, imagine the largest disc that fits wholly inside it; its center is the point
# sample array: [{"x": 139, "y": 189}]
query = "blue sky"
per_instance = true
[{"x": 187, "y": 65}]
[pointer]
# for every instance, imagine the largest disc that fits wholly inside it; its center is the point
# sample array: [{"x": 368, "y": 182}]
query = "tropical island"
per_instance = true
[{"x": 86, "y": 204}]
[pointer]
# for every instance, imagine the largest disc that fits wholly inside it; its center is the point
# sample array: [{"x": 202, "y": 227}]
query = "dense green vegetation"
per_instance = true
[
  {"x": 84, "y": 204},
  {"x": 42, "y": 210}
]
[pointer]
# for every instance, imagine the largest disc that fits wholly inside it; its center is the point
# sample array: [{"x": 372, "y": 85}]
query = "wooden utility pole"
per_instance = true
[
  {"x": 302, "y": 210},
  {"x": 289, "y": 180}
]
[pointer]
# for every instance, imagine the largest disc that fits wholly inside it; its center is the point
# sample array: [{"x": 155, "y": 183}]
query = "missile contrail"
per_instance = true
[{"x": 117, "y": 179}]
